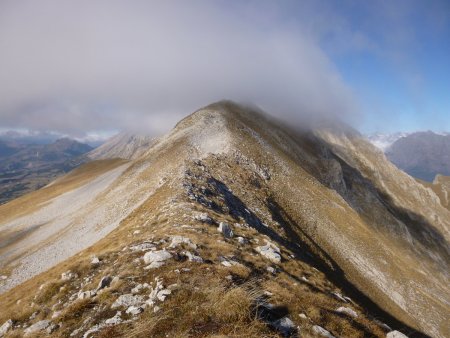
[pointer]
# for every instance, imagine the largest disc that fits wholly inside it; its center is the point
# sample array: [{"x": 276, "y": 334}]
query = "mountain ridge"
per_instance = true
[{"x": 316, "y": 194}]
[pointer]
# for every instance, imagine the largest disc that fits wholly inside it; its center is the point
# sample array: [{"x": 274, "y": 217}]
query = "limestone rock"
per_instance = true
[
  {"x": 157, "y": 256},
  {"x": 396, "y": 334},
  {"x": 36, "y": 327},
  {"x": 322, "y": 332},
  {"x": 191, "y": 257},
  {"x": 68, "y": 275},
  {"x": 117, "y": 319},
  {"x": 347, "y": 311},
  {"x": 143, "y": 246},
  {"x": 86, "y": 294},
  {"x": 225, "y": 229},
  {"x": 177, "y": 240},
  {"x": 6, "y": 327},
  {"x": 270, "y": 251},
  {"x": 128, "y": 300},
  {"x": 285, "y": 326},
  {"x": 134, "y": 310}
]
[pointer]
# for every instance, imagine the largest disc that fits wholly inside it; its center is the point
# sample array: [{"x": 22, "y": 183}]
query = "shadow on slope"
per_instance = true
[{"x": 297, "y": 241}]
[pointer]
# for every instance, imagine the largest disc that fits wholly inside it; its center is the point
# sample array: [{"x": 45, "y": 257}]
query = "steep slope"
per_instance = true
[
  {"x": 422, "y": 154},
  {"x": 317, "y": 216},
  {"x": 27, "y": 167},
  {"x": 123, "y": 145}
]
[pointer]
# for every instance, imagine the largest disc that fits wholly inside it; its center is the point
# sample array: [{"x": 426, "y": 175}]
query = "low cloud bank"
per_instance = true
[{"x": 80, "y": 66}]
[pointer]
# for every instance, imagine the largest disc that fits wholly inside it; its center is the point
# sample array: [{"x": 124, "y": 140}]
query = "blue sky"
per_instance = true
[
  {"x": 396, "y": 60},
  {"x": 86, "y": 67}
]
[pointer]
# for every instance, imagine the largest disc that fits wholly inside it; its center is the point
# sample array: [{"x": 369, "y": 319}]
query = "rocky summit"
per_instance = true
[{"x": 231, "y": 225}]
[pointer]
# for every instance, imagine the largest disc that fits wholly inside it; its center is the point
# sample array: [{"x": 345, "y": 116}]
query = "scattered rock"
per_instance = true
[
  {"x": 285, "y": 326},
  {"x": 68, "y": 275},
  {"x": 177, "y": 240},
  {"x": 271, "y": 270},
  {"x": 347, "y": 311},
  {"x": 396, "y": 334},
  {"x": 39, "y": 326},
  {"x": 204, "y": 218},
  {"x": 117, "y": 319},
  {"x": 322, "y": 332},
  {"x": 154, "y": 265},
  {"x": 225, "y": 229},
  {"x": 228, "y": 262},
  {"x": 303, "y": 316},
  {"x": 52, "y": 328},
  {"x": 270, "y": 251},
  {"x": 86, "y": 294},
  {"x": 157, "y": 256},
  {"x": 338, "y": 296},
  {"x": 158, "y": 293},
  {"x": 56, "y": 314},
  {"x": 242, "y": 240},
  {"x": 6, "y": 327},
  {"x": 3, "y": 277},
  {"x": 191, "y": 257},
  {"x": 143, "y": 247},
  {"x": 134, "y": 310},
  {"x": 139, "y": 287},
  {"x": 136, "y": 232},
  {"x": 95, "y": 260},
  {"x": 104, "y": 282},
  {"x": 383, "y": 325},
  {"x": 128, "y": 300}
]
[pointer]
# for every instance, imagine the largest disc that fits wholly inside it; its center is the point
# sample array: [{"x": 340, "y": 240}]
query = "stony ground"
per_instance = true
[{"x": 199, "y": 258}]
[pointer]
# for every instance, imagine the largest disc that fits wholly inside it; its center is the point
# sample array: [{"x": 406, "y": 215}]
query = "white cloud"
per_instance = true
[{"x": 83, "y": 65}]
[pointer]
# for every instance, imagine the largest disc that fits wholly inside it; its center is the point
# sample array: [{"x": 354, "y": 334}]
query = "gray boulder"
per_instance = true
[
  {"x": 104, "y": 282},
  {"x": 157, "y": 256},
  {"x": 225, "y": 229},
  {"x": 270, "y": 251},
  {"x": 285, "y": 326}
]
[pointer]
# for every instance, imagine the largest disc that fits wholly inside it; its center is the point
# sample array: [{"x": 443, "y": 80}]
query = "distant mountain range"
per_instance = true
[
  {"x": 421, "y": 154},
  {"x": 26, "y": 167}
]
